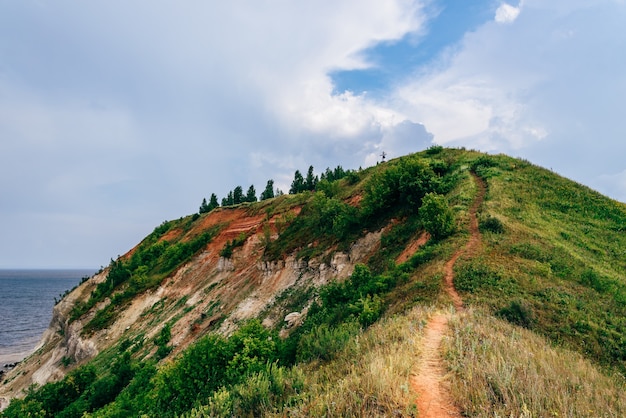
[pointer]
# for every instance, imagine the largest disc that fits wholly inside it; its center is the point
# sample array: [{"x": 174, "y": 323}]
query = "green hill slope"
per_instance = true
[{"x": 359, "y": 266}]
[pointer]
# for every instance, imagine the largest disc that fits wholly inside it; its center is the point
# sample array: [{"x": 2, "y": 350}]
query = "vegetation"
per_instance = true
[
  {"x": 153, "y": 260},
  {"x": 503, "y": 370},
  {"x": 208, "y": 207},
  {"x": 436, "y": 216},
  {"x": 546, "y": 291},
  {"x": 268, "y": 192},
  {"x": 227, "y": 251}
]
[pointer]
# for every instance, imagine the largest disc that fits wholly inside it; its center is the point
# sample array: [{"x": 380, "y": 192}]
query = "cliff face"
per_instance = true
[
  {"x": 549, "y": 257},
  {"x": 207, "y": 293}
]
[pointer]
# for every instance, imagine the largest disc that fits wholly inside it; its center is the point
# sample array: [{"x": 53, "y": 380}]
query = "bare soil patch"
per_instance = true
[
  {"x": 433, "y": 396},
  {"x": 413, "y": 247}
]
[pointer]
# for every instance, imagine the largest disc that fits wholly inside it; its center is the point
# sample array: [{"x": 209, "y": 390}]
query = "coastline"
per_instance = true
[
  {"x": 26, "y": 306},
  {"x": 10, "y": 358}
]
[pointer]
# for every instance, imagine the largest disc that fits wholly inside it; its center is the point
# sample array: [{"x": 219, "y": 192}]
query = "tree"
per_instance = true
[
  {"x": 213, "y": 202},
  {"x": 297, "y": 185},
  {"x": 251, "y": 194},
  {"x": 228, "y": 200},
  {"x": 204, "y": 207},
  {"x": 208, "y": 207},
  {"x": 268, "y": 193},
  {"x": 436, "y": 215},
  {"x": 238, "y": 195},
  {"x": 311, "y": 180}
]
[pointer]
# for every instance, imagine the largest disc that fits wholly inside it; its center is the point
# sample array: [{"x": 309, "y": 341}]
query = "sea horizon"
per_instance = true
[{"x": 27, "y": 297}]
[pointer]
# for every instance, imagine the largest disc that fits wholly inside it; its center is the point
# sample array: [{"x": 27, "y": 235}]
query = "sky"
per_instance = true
[{"x": 118, "y": 115}]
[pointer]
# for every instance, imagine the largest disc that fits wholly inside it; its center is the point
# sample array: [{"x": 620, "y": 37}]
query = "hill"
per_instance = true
[{"x": 506, "y": 278}]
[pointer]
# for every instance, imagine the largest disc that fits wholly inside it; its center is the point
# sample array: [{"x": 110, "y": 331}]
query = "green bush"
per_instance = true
[
  {"x": 367, "y": 309},
  {"x": 434, "y": 150},
  {"x": 399, "y": 186},
  {"x": 436, "y": 215},
  {"x": 492, "y": 224},
  {"x": 323, "y": 342},
  {"x": 227, "y": 251},
  {"x": 162, "y": 340},
  {"x": 519, "y": 313},
  {"x": 211, "y": 363},
  {"x": 53, "y": 398}
]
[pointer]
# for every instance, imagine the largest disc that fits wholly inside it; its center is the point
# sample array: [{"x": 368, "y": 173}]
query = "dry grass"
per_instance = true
[
  {"x": 499, "y": 370},
  {"x": 371, "y": 376}
]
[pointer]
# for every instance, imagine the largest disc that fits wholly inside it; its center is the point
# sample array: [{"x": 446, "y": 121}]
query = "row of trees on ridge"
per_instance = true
[{"x": 298, "y": 185}]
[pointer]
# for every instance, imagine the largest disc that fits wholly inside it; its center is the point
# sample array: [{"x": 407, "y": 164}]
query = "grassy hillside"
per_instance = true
[{"x": 545, "y": 333}]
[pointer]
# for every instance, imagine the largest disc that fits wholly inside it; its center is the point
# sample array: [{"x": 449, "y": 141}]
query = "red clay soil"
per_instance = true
[
  {"x": 470, "y": 248},
  {"x": 434, "y": 399},
  {"x": 413, "y": 247}
]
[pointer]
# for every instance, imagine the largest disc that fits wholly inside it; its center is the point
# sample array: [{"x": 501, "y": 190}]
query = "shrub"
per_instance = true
[
  {"x": 324, "y": 341},
  {"x": 227, "y": 251},
  {"x": 161, "y": 342},
  {"x": 352, "y": 177},
  {"x": 434, "y": 149},
  {"x": 492, "y": 224},
  {"x": 519, "y": 313},
  {"x": 401, "y": 185},
  {"x": 368, "y": 309},
  {"x": 436, "y": 215}
]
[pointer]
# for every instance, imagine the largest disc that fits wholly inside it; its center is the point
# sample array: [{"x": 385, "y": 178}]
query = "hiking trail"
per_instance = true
[{"x": 433, "y": 397}]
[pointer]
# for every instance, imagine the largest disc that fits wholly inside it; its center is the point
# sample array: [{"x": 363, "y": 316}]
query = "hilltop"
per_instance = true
[{"x": 507, "y": 278}]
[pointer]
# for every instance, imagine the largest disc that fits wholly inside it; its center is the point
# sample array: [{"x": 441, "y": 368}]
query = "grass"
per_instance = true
[
  {"x": 559, "y": 254},
  {"x": 369, "y": 377},
  {"x": 498, "y": 369},
  {"x": 545, "y": 334}
]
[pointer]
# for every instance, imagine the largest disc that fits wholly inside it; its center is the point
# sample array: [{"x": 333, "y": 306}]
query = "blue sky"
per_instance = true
[
  {"x": 116, "y": 115},
  {"x": 391, "y": 62}
]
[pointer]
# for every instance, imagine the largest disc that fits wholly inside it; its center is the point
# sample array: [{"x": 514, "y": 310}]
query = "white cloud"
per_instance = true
[
  {"x": 507, "y": 13},
  {"x": 549, "y": 88},
  {"x": 136, "y": 110},
  {"x": 124, "y": 108}
]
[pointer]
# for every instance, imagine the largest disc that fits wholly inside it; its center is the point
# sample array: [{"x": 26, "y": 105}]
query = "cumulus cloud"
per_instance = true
[
  {"x": 403, "y": 138},
  {"x": 547, "y": 88},
  {"x": 131, "y": 112},
  {"x": 506, "y": 13},
  {"x": 135, "y": 111}
]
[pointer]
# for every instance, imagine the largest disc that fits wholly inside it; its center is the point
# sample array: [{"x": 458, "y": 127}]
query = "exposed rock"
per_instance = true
[
  {"x": 225, "y": 264},
  {"x": 216, "y": 290},
  {"x": 293, "y": 319}
]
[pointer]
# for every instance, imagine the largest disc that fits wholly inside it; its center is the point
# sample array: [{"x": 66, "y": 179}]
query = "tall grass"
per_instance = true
[
  {"x": 370, "y": 377},
  {"x": 499, "y": 370}
]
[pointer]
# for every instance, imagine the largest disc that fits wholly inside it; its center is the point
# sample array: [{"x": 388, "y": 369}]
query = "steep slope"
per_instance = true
[
  {"x": 208, "y": 292},
  {"x": 433, "y": 398},
  {"x": 353, "y": 271}
]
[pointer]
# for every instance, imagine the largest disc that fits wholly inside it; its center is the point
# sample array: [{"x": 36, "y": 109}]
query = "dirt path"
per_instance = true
[
  {"x": 413, "y": 247},
  {"x": 433, "y": 397}
]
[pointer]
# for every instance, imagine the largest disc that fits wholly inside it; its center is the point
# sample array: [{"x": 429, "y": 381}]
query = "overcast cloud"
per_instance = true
[{"x": 115, "y": 116}]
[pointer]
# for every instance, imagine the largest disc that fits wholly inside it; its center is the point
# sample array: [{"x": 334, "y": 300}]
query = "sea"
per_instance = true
[{"x": 26, "y": 301}]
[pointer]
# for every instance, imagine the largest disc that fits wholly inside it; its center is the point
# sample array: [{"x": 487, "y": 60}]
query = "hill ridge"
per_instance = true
[
  {"x": 434, "y": 399},
  {"x": 293, "y": 289}
]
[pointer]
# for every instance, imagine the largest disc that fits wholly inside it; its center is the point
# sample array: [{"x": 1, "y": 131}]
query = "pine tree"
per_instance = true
[
  {"x": 297, "y": 185},
  {"x": 268, "y": 193},
  {"x": 238, "y": 195},
  {"x": 311, "y": 180},
  {"x": 204, "y": 207},
  {"x": 229, "y": 200},
  {"x": 213, "y": 202},
  {"x": 251, "y": 194}
]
